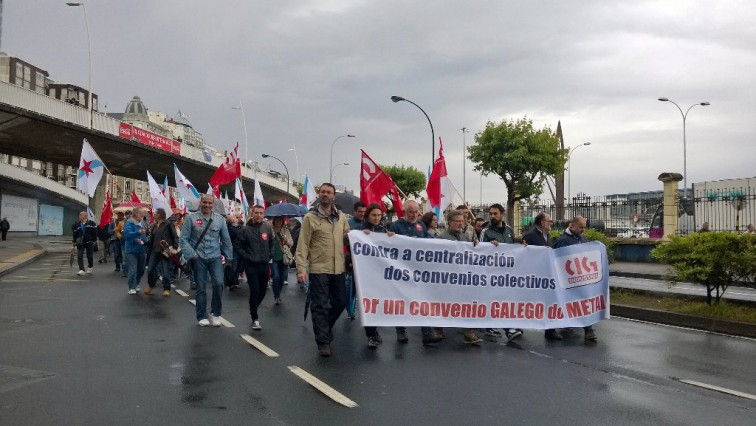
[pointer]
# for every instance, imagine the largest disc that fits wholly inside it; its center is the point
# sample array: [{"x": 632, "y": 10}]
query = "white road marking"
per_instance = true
[
  {"x": 719, "y": 389},
  {"x": 682, "y": 328},
  {"x": 193, "y": 302},
  {"x": 322, "y": 387},
  {"x": 226, "y": 323},
  {"x": 181, "y": 292},
  {"x": 257, "y": 344}
]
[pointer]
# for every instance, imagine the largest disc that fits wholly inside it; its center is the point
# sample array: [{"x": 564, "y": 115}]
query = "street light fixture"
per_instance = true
[
  {"x": 246, "y": 141},
  {"x": 330, "y": 177},
  {"x": 334, "y": 168},
  {"x": 288, "y": 181},
  {"x": 464, "y": 151},
  {"x": 296, "y": 159},
  {"x": 89, "y": 50},
  {"x": 685, "y": 149},
  {"x": 569, "y": 170},
  {"x": 396, "y": 99}
]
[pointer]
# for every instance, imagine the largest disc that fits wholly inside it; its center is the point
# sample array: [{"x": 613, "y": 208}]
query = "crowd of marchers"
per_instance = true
[{"x": 214, "y": 250}]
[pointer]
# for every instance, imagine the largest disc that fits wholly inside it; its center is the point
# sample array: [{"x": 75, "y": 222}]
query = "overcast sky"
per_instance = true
[{"x": 307, "y": 72}]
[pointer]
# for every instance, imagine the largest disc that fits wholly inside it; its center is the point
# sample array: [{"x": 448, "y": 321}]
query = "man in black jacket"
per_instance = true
[
  {"x": 256, "y": 246},
  {"x": 539, "y": 236},
  {"x": 84, "y": 239}
]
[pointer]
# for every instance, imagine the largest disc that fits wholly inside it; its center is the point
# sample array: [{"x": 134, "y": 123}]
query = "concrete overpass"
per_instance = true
[{"x": 37, "y": 126}]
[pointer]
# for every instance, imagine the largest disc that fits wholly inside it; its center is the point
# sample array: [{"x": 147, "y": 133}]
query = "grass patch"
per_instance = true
[{"x": 691, "y": 305}]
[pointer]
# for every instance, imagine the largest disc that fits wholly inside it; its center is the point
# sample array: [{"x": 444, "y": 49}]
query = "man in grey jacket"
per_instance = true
[{"x": 206, "y": 258}]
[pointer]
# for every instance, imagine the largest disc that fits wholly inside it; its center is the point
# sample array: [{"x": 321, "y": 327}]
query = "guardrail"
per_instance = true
[{"x": 30, "y": 100}]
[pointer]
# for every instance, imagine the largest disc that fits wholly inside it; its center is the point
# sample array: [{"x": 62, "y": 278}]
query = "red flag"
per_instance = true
[
  {"x": 375, "y": 183},
  {"x": 134, "y": 197},
  {"x": 107, "y": 211},
  {"x": 173, "y": 202},
  {"x": 228, "y": 171},
  {"x": 434, "y": 181}
]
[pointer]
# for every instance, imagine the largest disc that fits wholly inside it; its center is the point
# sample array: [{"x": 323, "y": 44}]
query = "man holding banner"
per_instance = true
[{"x": 321, "y": 249}]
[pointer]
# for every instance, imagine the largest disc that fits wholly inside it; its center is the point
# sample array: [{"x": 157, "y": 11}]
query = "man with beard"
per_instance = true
[
  {"x": 321, "y": 249},
  {"x": 355, "y": 222}
]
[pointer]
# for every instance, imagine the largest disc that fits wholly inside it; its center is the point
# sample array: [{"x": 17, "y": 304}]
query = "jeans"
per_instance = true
[
  {"x": 257, "y": 278},
  {"x": 117, "y": 253},
  {"x": 159, "y": 265},
  {"x": 327, "y": 302},
  {"x": 89, "y": 248},
  {"x": 135, "y": 263},
  {"x": 204, "y": 270},
  {"x": 280, "y": 273}
]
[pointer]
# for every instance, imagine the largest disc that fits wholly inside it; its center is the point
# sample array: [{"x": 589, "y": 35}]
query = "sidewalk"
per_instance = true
[{"x": 17, "y": 252}]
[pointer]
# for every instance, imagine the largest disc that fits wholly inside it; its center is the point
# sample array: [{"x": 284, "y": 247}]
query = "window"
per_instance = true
[{"x": 127, "y": 185}]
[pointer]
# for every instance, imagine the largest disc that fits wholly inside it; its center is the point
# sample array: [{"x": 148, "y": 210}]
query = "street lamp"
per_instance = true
[
  {"x": 330, "y": 178},
  {"x": 685, "y": 152},
  {"x": 396, "y": 99},
  {"x": 246, "y": 142},
  {"x": 464, "y": 150},
  {"x": 334, "y": 168},
  {"x": 569, "y": 169},
  {"x": 89, "y": 49},
  {"x": 288, "y": 181},
  {"x": 296, "y": 158}
]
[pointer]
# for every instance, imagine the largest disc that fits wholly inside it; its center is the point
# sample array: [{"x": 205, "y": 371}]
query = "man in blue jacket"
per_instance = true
[
  {"x": 574, "y": 234},
  {"x": 134, "y": 240},
  {"x": 205, "y": 256}
]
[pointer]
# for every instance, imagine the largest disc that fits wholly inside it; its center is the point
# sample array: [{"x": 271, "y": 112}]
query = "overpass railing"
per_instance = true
[
  {"x": 30, "y": 100},
  {"x": 30, "y": 178}
]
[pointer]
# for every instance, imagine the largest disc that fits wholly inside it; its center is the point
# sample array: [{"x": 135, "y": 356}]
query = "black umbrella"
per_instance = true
[
  {"x": 285, "y": 210},
  {"x": 307, "y": 304}
]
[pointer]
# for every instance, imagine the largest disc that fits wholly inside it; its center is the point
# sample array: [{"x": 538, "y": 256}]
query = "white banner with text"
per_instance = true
[{"x": 404, "y": 281}]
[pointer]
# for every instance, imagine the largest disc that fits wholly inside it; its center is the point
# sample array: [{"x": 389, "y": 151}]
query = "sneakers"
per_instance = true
[
  {"x": 553, "y": 334},
  {"x": 471, "y": 337},
  {"x": 590, "y": 335},
  {"x": 431, "y": 337},
  {"x": 137, "y": 289},
  {"x": 216, "y": 321},
  {"x": 89, "y": 270},
  {"x": 256, "y": 325},
  {"x": 132, "y": 291},
  {"x": 373, "y": 342},
  {"x": 204, "y": 322},
  {"x": 513, "y": 334},
  {"x": 166, "y": 293},
  {"x": 278, "y": 300},
  {"x": 494, "y": 333},
  {"x": 148, "y": 290},
  {"x": 117, "y": 269},
  {"x": 81, "y": 273},
  {"x": 401, "y": 337},
  {"x": 324, "y": 350}
]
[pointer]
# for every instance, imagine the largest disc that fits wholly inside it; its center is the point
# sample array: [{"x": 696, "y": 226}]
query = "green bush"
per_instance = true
[
  {"x": 592, "y": 235},
  {"x": 713, "y": 259}
]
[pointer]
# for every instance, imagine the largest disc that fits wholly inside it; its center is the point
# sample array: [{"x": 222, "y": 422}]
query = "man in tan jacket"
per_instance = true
[{"x": 321, "y": 250}]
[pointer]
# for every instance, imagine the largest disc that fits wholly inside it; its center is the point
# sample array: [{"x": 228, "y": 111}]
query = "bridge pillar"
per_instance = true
[
  {"x": 517, "y": 220},
  {"x": 671, "y": 203}
]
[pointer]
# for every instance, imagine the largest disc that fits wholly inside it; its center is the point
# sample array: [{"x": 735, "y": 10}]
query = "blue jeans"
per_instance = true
[
  {"x": 135, "y": 264},
  {"x": 204, "y": 270},
  {"x": 117, "y": 253},
  {"x": 280, "y": 273}
]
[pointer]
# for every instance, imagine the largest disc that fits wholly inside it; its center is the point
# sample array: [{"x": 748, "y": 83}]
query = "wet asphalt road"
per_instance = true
[{"x": 81, "y": 351}]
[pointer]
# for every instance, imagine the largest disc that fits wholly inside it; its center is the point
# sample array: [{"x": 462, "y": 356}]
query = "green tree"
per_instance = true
[
  {"x": 713, "y": 259},
  {"x": 520, "y": 155},
  {"x": 409, "y": 179}
]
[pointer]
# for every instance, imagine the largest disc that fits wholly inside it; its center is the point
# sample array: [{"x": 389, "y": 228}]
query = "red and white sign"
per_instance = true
[
  {"x": 580, "y": 269},
  {"x": 127, "y": 131}
]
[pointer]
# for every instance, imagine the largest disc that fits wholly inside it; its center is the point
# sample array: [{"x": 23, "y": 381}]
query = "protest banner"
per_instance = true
[{"x": 404, "y": 281}]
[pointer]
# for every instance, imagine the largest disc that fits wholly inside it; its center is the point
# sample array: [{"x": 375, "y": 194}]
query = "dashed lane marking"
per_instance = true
[
  {"x": 259, "y": 345},
  {"x": 224, "y": 322},
  {"x": 717, "y": 388},
  {"x": 322, "y": 387},
  {"x": 181, "y": 292}
]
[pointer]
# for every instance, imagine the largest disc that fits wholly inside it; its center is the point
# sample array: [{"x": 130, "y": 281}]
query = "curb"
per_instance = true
[
  {"x": 657, "y": 277},
  {"x": 25, "y": 259},
  {"x": 689, "y": 321}
]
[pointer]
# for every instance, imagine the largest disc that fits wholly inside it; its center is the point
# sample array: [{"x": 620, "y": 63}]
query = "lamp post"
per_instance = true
[
  {"x": 246, "y": 141},
  {"x": 685, "y": 149},
  {"x": 288, "y": 181},
  {"x": 464, "y": 150},
  {"x": 330, "y": 177},
  {"x": 296, "y": 158},
  {"x": 396, "y": 99},
  {"x": 89, "y": 49},
  {"x": 569, "y": 169},
  {"x": 334, "y": 168}
]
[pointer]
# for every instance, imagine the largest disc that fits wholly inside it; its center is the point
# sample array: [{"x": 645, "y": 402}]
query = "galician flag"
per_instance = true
[
  {"x": 157, "y": 197},
  {"x": 185, "y": 188},
  {"x": 90, "y": 170},
  {"x": 439, "y": 189},
  {"x": 242, "y": 197},
  {"x": 308, "y": 194}
]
